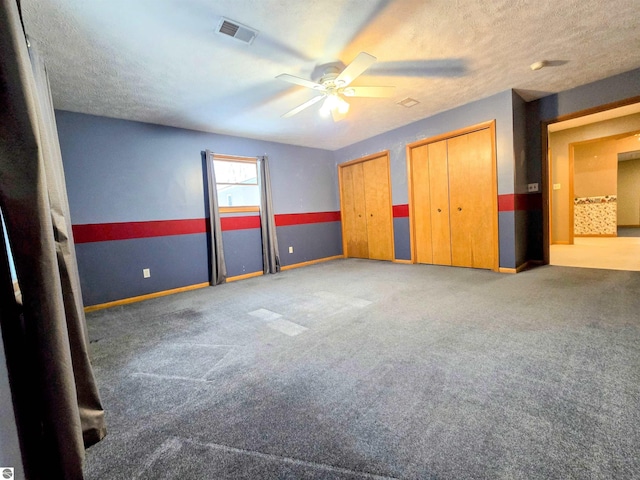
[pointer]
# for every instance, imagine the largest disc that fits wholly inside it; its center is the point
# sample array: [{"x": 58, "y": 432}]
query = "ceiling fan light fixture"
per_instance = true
[
  {"x": 334, "y": 84},
  {"x": 333, "y": 103},
  {"x": 343, "y": 106},
  {"x": 325, "y": 112},
  {"x": 328, "y": 105}
]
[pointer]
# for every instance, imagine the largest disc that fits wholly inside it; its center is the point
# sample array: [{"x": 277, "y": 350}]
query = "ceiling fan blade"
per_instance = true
[
  {"x": 301, "y": 81},
  {"x": 442, "y": 67},
  {"x": 306, "y": 104},
  {"x": 378, "y": 92},
  {"x": 355, "y": 68}
]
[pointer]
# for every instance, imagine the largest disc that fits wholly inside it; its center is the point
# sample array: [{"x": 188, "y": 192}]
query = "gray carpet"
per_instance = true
[
  {"x": 628, "y": 232},
  {"x": 356, "y": 369}
]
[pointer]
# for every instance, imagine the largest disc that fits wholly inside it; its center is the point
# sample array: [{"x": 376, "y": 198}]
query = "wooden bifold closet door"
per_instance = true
[
  {"x": 454, "y": 199},
  {"x": 365, "y": 197}
]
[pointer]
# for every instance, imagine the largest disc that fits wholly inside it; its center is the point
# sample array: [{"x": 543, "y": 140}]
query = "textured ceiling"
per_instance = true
[{"x": 159, "y": 61}]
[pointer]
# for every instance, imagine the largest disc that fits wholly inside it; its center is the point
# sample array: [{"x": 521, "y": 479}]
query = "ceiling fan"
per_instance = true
[{"x": 336, "y": 84}]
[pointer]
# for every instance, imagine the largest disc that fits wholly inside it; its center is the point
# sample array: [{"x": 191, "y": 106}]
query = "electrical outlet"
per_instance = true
[
  {"x": 290, "y": 249},
  {"x": 556, "y": 186},
  {"x": 532, "y": 187},
  {"x": 146, "y": 273}
]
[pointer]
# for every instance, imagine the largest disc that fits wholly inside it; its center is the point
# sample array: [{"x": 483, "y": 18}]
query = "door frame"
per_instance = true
[
  {"x": 491, "y": 125},
  {"x": 546, "y": 160},
  {"x": 373, "y": 156},
  {"x": 572, "y": 146}
]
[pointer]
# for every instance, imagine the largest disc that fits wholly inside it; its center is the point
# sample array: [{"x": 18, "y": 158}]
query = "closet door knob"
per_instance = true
[
  {"x": 439, "y": 210},
  {"x": 459, "y": 209}
]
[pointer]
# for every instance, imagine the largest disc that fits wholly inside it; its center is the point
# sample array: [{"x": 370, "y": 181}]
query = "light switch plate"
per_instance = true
[{"x": 146, "y": 273}]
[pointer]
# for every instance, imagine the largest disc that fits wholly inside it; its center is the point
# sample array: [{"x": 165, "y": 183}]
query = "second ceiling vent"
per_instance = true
[{"x": 236, "y": 30}]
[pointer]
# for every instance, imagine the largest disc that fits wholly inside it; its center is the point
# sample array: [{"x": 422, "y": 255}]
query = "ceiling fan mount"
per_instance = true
[
  {"x": 329, "y": 75},
  {"x": 335, "y": 83}
]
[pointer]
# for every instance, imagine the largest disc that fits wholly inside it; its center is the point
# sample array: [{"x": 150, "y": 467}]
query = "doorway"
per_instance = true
[{"x": 594, "y": 205}]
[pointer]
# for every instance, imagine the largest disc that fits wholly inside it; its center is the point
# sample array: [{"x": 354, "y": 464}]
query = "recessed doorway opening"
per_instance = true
[{"x": 594, "y": 190}]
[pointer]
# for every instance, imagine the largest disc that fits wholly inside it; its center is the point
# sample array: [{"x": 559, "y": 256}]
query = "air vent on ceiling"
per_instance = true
[
  {"x": 236, "y": 30},
  {"x": 408, "y": 102}
]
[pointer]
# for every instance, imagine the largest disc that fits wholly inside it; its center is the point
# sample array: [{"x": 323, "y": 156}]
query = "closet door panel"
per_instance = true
[
  {"x": 439, "y": 204},
  {"x": 460, "y": 184},
  {"x": 354, "y": 209},
  {"x": 481, "y": 198},
  {"x": 421, "y": 203},
  {"x": 378, "y": 208},
  {"x": 471, "y": 199}
]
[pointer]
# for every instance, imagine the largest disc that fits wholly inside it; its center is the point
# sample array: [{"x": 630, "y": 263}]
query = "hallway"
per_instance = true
[{"x": 614, "y": 253}]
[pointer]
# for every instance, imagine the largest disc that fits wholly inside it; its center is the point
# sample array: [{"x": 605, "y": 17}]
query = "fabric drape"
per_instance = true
[
  {"x": 270, "y": 253},
  {"x": 12, "y": 352},
  {"x": 217, "y": 265},
  {"x": 59, "y": 412}
]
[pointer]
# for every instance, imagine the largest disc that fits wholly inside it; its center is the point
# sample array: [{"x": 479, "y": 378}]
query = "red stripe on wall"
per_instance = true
[
  {"x": 506, "y": 203},
  {"x": 519, "y": 202},
  {"x": 103, "y": 232},
  {"x": 400, "y": 211},
  {"x": 100, "y": 232},
  {"x": 529, "y": 201},
  {"x": 239, "y": 223},
  {"x": 287, "y": 219}
]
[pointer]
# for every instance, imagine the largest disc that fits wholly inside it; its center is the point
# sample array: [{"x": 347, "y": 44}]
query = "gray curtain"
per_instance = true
[
  {"x": 58, "y": 408},
  {"x": 270, "y": 253},
  {"x": 217, "y": 266}
]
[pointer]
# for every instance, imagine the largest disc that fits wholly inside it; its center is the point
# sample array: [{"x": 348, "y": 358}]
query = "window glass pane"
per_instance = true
[
  {"x": 12, "y": 268},
  {"x": 235, "y": 172},
  {"x": 238, "y": 196}
]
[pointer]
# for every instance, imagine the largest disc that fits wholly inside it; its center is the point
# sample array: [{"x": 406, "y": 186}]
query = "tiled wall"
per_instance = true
[{"x": 595, "y": 215}]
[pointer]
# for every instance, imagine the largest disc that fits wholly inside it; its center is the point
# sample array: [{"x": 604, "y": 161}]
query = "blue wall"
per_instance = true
[
  {"x": 124, "y": 171},
  {"x": 310, "y": 241},
  {"x": 603, "y": 92},
  {"x": 521, "y": 217},
  {"x": 242, "y": 251},
  {"x": 113, "y": 270},
  {"x": 498, "y": 107}
]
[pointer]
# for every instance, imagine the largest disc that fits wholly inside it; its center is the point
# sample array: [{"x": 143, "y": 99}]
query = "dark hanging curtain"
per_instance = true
[
  {"x": 58, "y": 409},
  {"x": 270, "y": 253},
  {"x": 217, "y": 266}
]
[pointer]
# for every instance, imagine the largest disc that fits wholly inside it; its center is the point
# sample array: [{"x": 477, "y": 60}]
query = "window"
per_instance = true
[
  {"x": 236, "y": 181},
  {"x": 12, "y": 267}
]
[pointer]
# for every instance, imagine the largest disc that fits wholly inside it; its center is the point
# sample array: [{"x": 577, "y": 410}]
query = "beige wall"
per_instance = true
[
  {"x": 595, "y": 169},
  {"x": 629, "y": 192},
  {"x": 559, "y": 169},
  {"x": 629, "y": 144}
]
